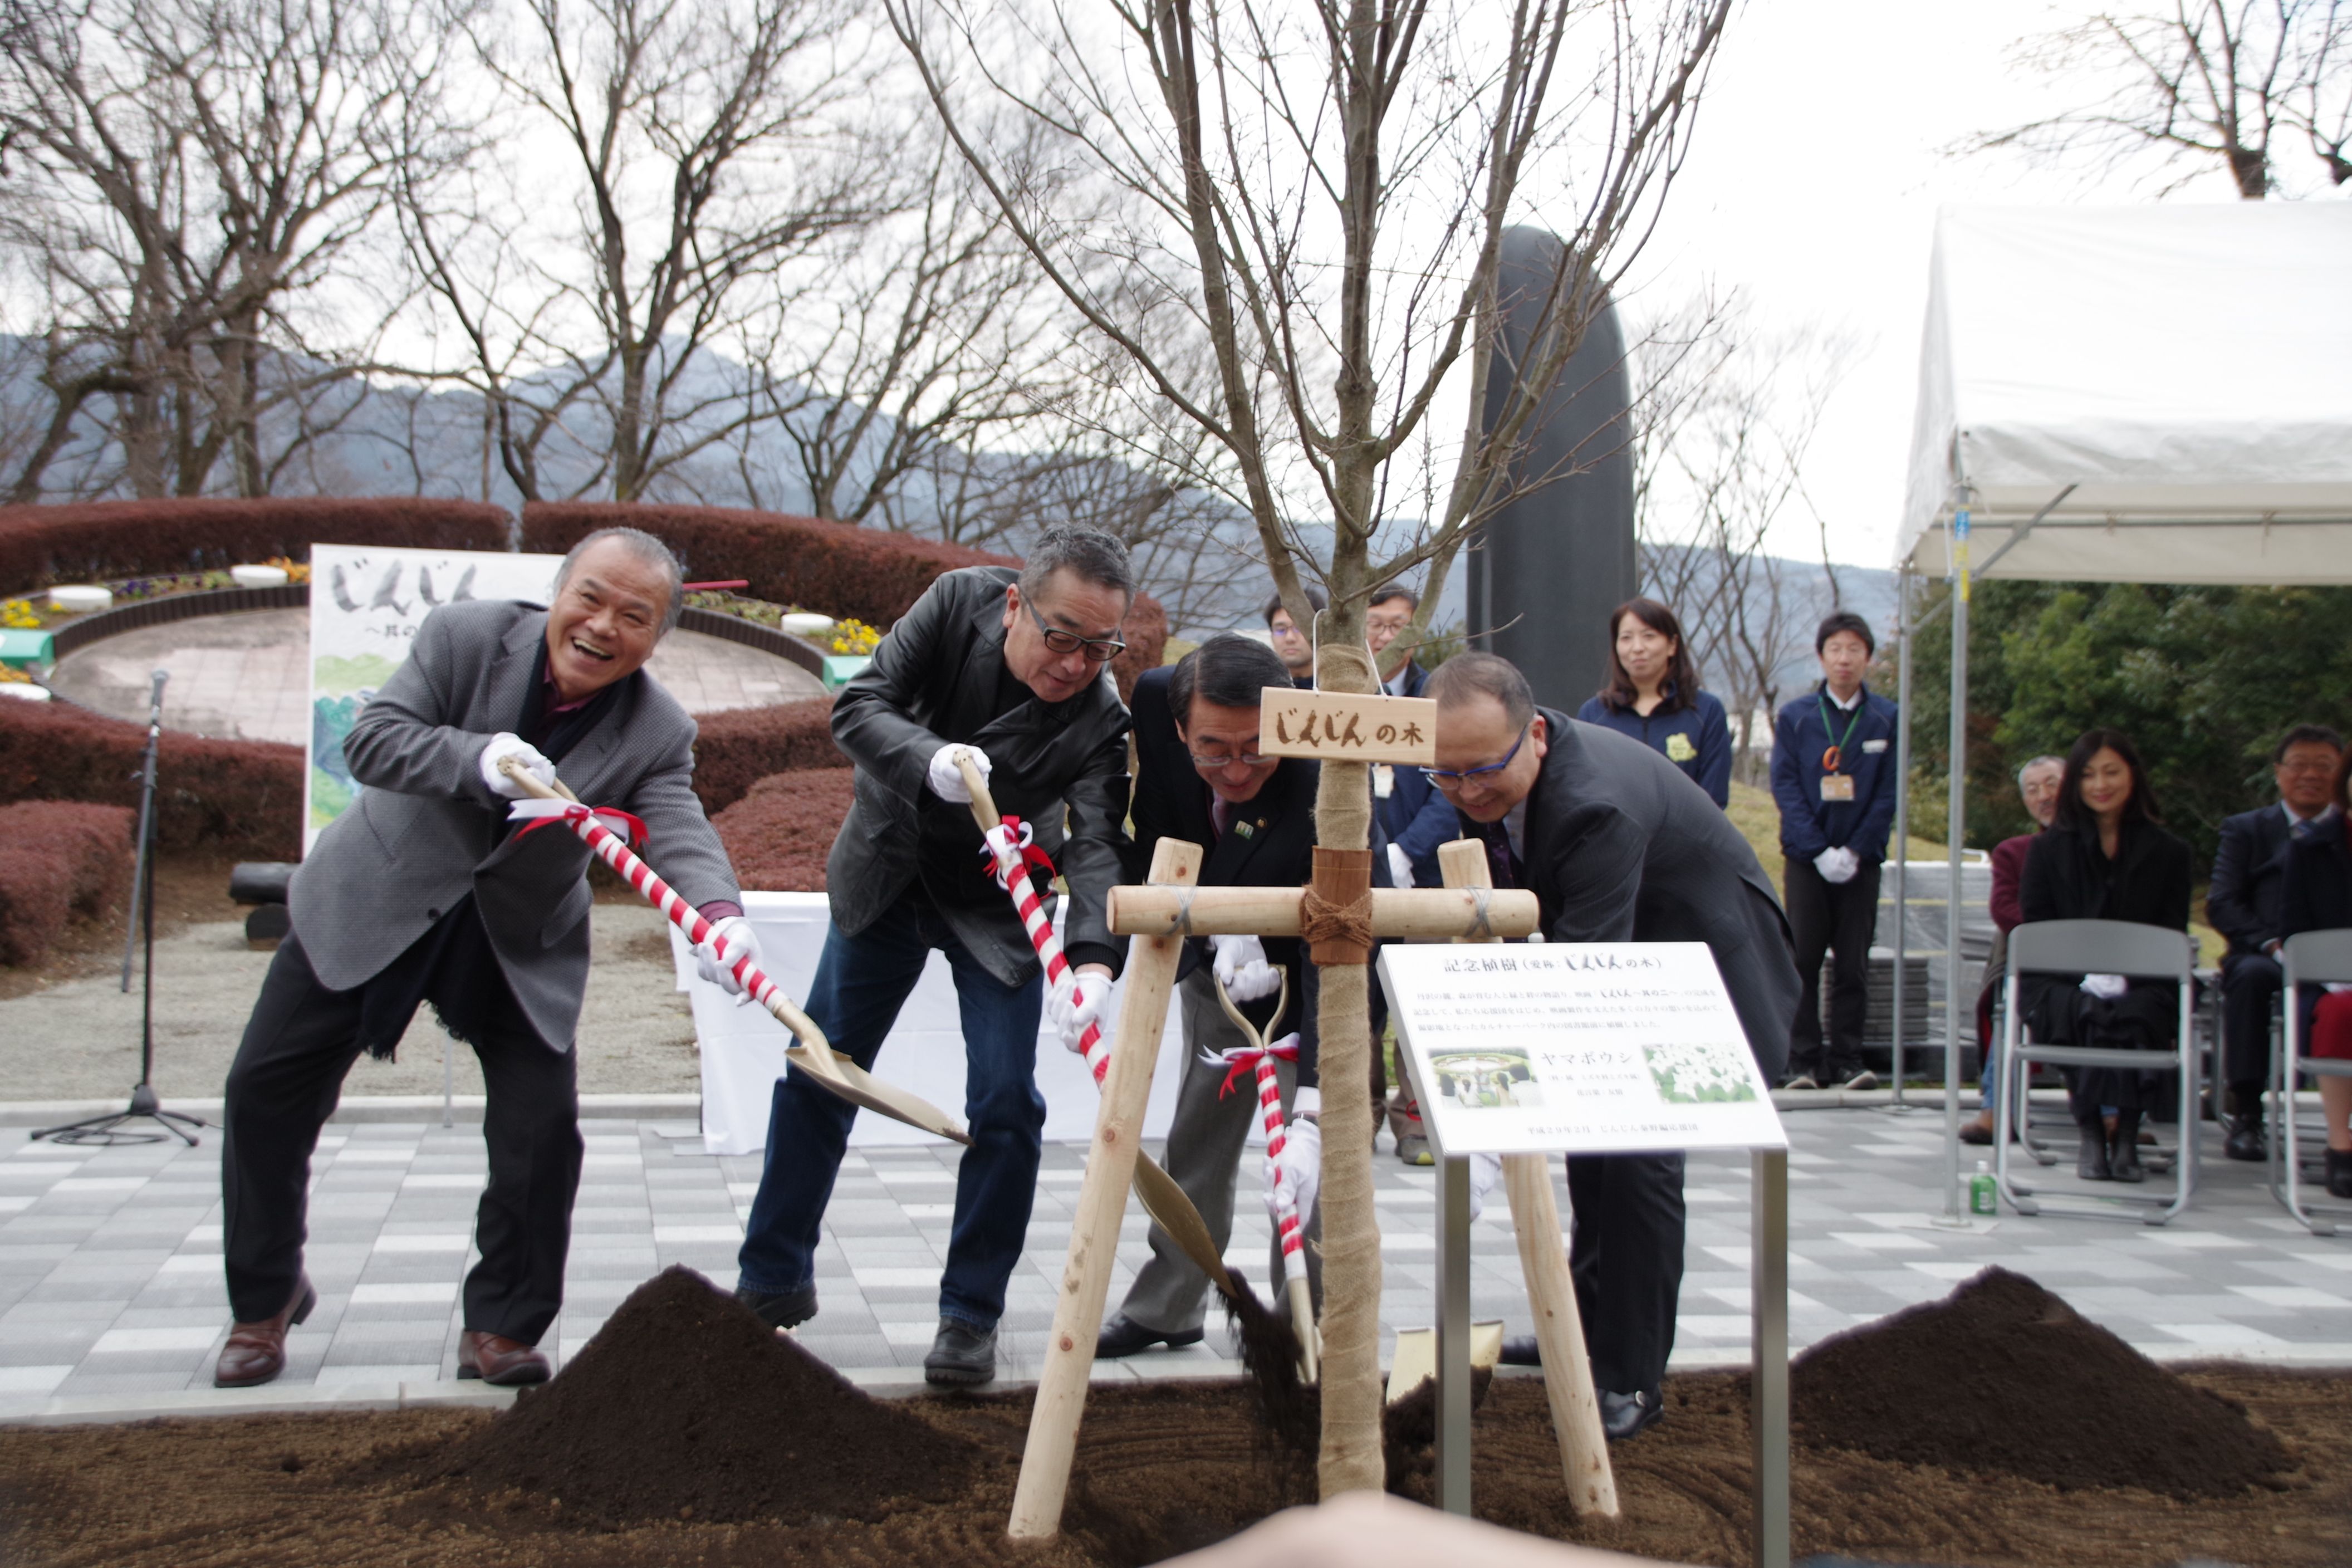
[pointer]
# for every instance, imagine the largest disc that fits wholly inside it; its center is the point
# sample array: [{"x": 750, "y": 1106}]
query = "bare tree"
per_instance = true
[
  {"x": 1725, "y": 416},
  {"x": 186, "y": 175},
  {"x": 2199, "y": 83},
  {"x": 670, "y": 160},
  {"x": 1317, "y": 197}
]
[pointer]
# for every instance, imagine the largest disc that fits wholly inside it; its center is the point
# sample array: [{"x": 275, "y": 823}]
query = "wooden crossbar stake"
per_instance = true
[
  {"x": 1552, "y": 1292},
  {"x": 1061, "y": 1403}
]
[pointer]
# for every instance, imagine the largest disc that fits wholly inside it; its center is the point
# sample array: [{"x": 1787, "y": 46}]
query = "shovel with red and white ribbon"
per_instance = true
[
  {"x": 1262, "y": 1056},
  {"x": 595, "y": 826},
  {"x": 1011, "y": 846}
]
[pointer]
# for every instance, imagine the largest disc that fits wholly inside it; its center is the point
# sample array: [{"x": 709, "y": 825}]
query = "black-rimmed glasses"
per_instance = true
[
  {"x": 1099, "y": 650},
  {"x": 1448, "y": 778}
]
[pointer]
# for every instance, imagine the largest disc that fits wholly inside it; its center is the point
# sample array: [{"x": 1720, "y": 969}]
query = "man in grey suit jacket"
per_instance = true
[
  {"x": 422, "y": 891},
  {"x": 1618, "y": 844},
  {"x": 1014, "y": 671}
]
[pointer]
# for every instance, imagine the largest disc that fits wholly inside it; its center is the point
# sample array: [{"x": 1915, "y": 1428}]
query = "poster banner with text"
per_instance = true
[
  {"x": 365, "y": 605},
  {"x": 1576, "y": 1048}
]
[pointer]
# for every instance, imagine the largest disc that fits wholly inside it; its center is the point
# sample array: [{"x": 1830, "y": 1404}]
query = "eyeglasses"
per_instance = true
[
  {"x": 1447, "y": 778},
  {"x": 1099, "y": 650},
  {"x": 1247, "y": 760}
]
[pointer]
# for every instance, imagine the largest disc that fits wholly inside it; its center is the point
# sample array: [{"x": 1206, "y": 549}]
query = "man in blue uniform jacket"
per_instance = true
[{"x": 1834, "y": 779}]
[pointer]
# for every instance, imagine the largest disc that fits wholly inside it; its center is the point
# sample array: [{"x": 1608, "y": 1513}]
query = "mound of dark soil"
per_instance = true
[
  {"x": 2002, "y": 1375},
  {"x": 685, "y": 1405}
]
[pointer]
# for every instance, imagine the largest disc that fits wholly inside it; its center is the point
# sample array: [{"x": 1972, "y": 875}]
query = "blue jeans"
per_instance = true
[{"x": 861, "y": 983}]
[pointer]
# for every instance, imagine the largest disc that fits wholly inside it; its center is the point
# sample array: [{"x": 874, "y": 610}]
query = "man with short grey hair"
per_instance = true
[
  {"x": 424, "y": 891},
  {"x": 1011, "y": 672}
]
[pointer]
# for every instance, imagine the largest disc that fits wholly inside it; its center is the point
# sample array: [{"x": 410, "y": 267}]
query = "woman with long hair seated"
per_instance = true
[
  {"x": 2316, "y": 895},
  {"x": 1652, "y": 695},
  {"x": 2107, "y": 858}
]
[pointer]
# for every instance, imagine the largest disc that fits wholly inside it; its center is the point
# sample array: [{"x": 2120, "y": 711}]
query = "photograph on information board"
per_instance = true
[{"x": 1579, "y": 1048}]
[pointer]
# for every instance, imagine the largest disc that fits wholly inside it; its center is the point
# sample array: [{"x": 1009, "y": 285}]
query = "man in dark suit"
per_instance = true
[
  {"x": 1199, "y": 779},
  {"x": 1618, "y": 844},
  {"x": 1012, "y": 669},
  {"x": 422, "y": 891},
  {"x": 2242, "y": 903},
  {"x": 1292, "y": 643}
]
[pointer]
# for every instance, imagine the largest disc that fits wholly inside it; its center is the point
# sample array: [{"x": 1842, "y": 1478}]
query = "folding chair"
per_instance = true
[
  {"x": 2099, "y": 947},
  {"x": 2308, "y": 958}
]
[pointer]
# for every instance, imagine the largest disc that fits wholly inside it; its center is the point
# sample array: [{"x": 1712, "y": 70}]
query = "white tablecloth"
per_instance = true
[{"x": 743, "y": 1047}]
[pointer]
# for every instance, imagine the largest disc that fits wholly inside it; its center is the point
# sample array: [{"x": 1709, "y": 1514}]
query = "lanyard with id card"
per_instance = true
[{"x": 1836, "y": 785}]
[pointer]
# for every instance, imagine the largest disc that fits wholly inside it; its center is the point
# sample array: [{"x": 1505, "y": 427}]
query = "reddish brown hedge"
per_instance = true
[
  {"x": 64, "y": 858},
  {"x": 84, "y": 540},
  {"x": 238, "y": 796},
  {"x": 778, "y": 835},
  {"x": 738, "y": 747}
]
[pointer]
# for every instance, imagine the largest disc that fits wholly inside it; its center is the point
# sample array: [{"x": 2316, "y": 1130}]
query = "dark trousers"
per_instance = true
[
  {"x": 1831, "y": 917},
  {"x": 1627, "y": 1259},
  {"x": 288, "y": 1073},
  {"x": 2250, "y": 984},
  {"x": 861, "y": 983}
]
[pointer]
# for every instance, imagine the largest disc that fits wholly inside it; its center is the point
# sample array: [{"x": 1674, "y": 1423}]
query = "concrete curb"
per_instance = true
[{"x": 366, "y": 1108}]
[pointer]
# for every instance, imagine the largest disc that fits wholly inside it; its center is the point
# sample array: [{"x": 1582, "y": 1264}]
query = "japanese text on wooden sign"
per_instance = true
[
  {"x": 1340, "y": 726},
  {"x": 1576, "y": 1048}
]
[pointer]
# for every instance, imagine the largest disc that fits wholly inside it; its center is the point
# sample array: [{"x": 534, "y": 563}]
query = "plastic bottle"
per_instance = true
[{"x": 1984, "y": 1198}]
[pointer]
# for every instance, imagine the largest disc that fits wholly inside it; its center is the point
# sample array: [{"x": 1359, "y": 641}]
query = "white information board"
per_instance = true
[
  {"x": 366, "y": 602},
  {"x": 1576, "y": 1048}
]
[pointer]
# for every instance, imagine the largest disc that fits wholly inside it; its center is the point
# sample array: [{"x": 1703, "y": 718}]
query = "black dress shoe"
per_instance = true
[
  {"x": 962, "y": 1355},
  {"x": 787, "y": 1309},
  {"x": 2091, "y": 1159},
  {"x": 2245, "y": 1141},
  {"x": 1124, "y": 1336},
  {"x": 2123, "y": 1149},
  {"x": 1624, "y": 1415},
  {"x": 2339, "y": 1172},
  {"x": 1522, "y": 1349}
]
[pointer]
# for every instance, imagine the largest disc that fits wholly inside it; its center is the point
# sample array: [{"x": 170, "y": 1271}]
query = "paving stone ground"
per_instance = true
[{"x": 111, "y": 1272}]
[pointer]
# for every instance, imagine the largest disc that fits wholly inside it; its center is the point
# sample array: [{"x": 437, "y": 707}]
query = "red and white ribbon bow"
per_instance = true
[
  {"x": 1009, "y": 842},
  {"x": 536, "y": 814},
  {"x": 1234, "y": 1060}
]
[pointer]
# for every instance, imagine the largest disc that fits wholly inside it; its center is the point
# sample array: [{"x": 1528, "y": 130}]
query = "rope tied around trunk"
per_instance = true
[{"x": 1322, "y": 921}]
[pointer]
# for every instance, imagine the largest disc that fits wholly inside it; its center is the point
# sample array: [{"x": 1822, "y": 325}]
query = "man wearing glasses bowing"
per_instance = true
[
  {"x": 1013, "y": 670},
  {"x": 1618, "y": 844}
]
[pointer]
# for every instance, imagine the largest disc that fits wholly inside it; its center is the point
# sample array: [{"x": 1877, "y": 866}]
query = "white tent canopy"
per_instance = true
[{"x": 2150, "y": 393}]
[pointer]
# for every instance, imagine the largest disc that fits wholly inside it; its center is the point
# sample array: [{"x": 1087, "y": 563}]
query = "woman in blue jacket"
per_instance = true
[{"x": 1652, "y": 695}]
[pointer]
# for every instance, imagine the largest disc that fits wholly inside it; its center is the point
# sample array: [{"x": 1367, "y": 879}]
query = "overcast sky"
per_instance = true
[{"x": 1813, "y": 189}]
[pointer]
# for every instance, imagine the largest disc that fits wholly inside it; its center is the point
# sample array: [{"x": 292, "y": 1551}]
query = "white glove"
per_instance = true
[
  {"x": 1242, "y": 969},
  {"x": 946, "y": 780},
  {"x": 1400, "y": 865},
  {"x": 1837, "y": 865},
  {"x": 1485, "y": 1169},
  {"x": 2108, "y": 987},
  {"x": 1300, "y": 1169},
  {"x": 1078, "y": 1001},
  {"x": 502, "y": 746},
  {"x": 736, "y": 933}
]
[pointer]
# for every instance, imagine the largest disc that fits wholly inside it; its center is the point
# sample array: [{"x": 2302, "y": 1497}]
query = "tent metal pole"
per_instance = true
[
  {"x": 1955, "y": 778},
  {"x": 1902, "y": 818}
]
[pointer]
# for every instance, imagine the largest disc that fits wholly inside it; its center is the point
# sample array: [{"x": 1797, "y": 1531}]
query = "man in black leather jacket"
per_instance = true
[{"x": 1015, "y": 671}]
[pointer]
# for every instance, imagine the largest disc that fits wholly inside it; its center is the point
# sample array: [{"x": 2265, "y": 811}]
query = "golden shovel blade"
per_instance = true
[{"x": 853, "y": 1083}]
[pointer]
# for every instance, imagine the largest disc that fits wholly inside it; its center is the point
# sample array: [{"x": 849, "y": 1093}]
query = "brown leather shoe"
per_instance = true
[
  {"x": 494, "y": 1358},
  {"x": 256, "y": 1352}
]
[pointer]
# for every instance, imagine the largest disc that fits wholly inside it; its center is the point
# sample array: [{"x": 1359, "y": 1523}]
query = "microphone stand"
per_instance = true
[{"x": 144, "y": 1105}]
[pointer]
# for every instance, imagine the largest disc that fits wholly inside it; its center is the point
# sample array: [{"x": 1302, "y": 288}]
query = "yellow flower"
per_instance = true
[
  {"x": 855, "y": 637},
  {"x": 17, "y": 614}
]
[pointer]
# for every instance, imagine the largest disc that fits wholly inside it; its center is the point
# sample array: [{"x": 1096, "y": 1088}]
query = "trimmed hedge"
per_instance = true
[
  {"x": 778, "y": 835},
  {"x": 65, "y": 857},
  {"x": 739, "y": 747},
  {"x": 40, "y": 545},
  {"x": 844, "y": 570},
  {"x": 244, "y": 796}
]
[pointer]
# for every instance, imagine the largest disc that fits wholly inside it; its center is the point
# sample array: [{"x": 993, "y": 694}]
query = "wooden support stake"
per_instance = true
[
  {"x": 1061, "y": 1401},
  {"x": 1552, "y": 1292},
  {"x": 1424, "y": 915}
]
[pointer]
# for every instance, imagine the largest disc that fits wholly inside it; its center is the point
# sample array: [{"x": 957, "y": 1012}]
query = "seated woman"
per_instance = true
[
  {"x": 2105, "y": 858},
  {"x": 1652, "y": 695},
  {"x": 2316, "y": 894}
]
